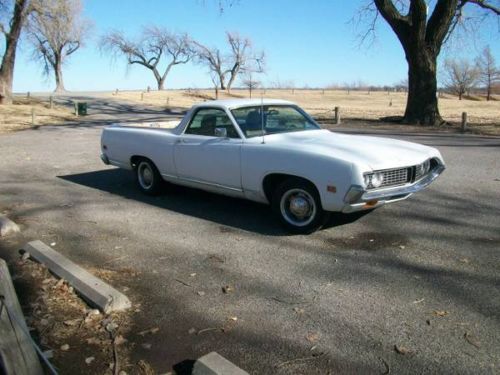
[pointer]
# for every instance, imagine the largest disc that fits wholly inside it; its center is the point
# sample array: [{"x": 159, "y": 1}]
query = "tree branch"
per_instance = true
[
  {"x": 440, "y": 22},
  {"x": 483, "y": 4},
  {"x": 399, "y": 23}
]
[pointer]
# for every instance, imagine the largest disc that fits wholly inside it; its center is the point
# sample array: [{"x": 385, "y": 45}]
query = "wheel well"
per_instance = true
[
  {"x": 134, "y": 160},
  {"x": 273, "y": 180}
]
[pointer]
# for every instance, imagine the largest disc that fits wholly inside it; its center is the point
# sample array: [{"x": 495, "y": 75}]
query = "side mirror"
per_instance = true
[{"x": 221, "y": 132}]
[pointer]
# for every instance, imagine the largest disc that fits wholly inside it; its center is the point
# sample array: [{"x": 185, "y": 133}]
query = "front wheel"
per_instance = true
[
  {"x": 148, "y": 177},
  {"x": 298, "y": 206}
]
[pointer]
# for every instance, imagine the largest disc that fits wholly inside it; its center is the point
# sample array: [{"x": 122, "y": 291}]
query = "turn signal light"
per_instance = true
[{"x": 371, "y": 203}]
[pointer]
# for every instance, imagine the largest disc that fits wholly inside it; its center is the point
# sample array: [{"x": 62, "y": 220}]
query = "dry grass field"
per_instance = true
[
  {"x": 18, "y": 116},
  {"x": 356, "y": 105}
]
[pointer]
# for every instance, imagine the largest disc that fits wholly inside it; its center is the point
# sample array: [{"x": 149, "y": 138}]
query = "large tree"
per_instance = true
[
  {"x": 56, "y": 30},
  {"x": 13, "y": 15},
  {"x": 149, "y": 49},
  {"x": 422, "y": 35}
]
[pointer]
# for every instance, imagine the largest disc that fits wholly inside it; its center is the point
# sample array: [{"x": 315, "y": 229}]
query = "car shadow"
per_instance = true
[{"x": 226, "y": 211}]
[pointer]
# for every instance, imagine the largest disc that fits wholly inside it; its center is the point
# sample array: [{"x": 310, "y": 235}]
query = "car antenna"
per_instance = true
[{"x": 262, "y": 118}]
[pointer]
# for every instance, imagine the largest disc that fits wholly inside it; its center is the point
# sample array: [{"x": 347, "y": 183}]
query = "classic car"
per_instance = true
[{"x": 272, "y": 151}]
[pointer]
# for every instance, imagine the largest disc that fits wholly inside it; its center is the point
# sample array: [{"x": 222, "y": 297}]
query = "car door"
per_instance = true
[{"x": 202, "y": 157}]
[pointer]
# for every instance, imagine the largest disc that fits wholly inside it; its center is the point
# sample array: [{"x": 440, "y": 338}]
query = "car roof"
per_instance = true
[{"x": 235, "y": 103}]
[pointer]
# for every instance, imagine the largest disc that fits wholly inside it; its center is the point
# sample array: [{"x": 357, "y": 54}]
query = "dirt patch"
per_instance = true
[
  {"x": 77, "y": 338},
  {"x": 370, "y": 241},
  {"x": 19, "y": 115}
]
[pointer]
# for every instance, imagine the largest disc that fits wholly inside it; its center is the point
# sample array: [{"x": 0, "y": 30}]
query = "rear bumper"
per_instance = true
[
  {"x": 357, "y": 198},
  {"x": 104, "y": 159}
]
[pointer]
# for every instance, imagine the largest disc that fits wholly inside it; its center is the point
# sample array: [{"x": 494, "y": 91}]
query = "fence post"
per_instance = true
[
  {"x": 33, "y": 116},
  {"x": 51, "y": 101},
  {"x": 464, "y": 122},
  {"x": 337, "y": 115},
  {"x": 28, "y": 94},
  {"x": 168, "y": 100},
  {"x": 142, "y": 95},
  {"x": 76, "y": 109}
]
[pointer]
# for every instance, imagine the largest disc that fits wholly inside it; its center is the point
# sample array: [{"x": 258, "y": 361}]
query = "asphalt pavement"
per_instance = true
[{"x": 422, "y": 274}]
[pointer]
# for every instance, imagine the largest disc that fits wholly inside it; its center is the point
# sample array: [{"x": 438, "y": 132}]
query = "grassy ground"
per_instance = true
[
  {"x": 482, "y": 115},
  {"x": 357, "y": 107},
  {"x": 18, "y": 116}
]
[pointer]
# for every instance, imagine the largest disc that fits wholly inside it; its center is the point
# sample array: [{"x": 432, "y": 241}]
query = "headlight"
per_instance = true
[
  {"x": 377, "y": 179},
  {"x": 374, "y": 180}
]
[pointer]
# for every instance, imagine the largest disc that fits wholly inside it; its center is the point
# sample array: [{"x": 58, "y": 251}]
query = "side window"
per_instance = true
[{"x": 206, "y": 120}]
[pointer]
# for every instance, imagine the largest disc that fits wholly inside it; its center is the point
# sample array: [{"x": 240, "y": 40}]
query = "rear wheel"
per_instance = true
[
  {"x": 298, "y": 206},
  {"x": 148, "y": 177}
]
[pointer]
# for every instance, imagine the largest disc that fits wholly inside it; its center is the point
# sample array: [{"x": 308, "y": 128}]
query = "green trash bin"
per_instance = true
[{"x": 82, "y": 109}]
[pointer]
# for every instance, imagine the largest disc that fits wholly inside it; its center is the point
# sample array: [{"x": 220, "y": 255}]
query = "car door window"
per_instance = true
[{"x": 206, "y": 120}]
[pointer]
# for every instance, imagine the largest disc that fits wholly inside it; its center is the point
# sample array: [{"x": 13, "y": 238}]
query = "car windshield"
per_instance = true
[{"x": 275, "y": 119}]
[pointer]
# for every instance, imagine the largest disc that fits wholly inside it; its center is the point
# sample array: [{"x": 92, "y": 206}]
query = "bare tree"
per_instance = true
[
  {"x": 56, "y": 30},
  {"x": 489, "y": 72},
  {"x": 242, "y": 59},
  {"x": 250, "y": 82},
  {"x": 149, "y": 49},
  {"x": 214, "y": 60},
  {"x": 422, "y": 35},
  {"x": 228, "y": 67},
  {"x": 13, "y": 15},
  {"x": 461, "y": 76}
]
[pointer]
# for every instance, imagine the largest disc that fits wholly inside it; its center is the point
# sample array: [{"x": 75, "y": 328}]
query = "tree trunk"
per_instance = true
[
  {"x": 232, "y": 77},
  {"x": 9, "y": 57},
  {"x": 422, "y": 104},
  {"x": 161, "y": 84},
  {"x": 59, "y": 77},
  {"x": 222, "y": 81}
]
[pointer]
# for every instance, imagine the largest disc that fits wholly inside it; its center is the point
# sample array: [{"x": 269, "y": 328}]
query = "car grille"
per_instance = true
[
  {"x": 394, "y": 177},
  {"x": 401, "y": 176}
]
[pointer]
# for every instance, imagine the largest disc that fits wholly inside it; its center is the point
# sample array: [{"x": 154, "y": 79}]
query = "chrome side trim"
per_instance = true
[{"x": 219, "y": 186}]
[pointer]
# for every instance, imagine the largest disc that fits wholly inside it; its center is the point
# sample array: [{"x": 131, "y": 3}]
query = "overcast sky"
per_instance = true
[{"x": 309, "y": 42}]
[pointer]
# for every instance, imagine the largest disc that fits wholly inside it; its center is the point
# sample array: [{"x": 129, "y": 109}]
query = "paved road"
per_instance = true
[{"x": 338, "y": 300}]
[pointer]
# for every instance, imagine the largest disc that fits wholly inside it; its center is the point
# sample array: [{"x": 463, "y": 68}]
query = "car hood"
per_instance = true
[{"x": 375, "y": 152}]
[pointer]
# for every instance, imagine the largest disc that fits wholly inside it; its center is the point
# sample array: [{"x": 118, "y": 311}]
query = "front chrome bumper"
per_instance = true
[{"x": 357, "y": 198}]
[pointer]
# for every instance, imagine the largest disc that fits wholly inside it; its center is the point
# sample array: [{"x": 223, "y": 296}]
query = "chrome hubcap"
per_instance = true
[
  {"x": 298, "y": 207},
  {"x": 145, "y": 175}
]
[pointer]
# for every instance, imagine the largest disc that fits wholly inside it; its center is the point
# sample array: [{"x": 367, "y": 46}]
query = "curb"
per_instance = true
[
  {"x": 215, "y": 364},
  {"x": 91, "y": 288}
]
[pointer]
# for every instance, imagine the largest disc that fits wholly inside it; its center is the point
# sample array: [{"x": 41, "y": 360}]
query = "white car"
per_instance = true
[{"x": 271, "y": 151}]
